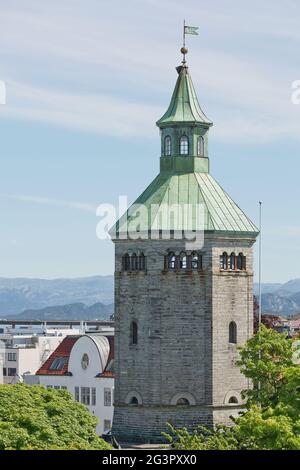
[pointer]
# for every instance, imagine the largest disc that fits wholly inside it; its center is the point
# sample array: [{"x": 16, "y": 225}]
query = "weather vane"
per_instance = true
[{"x": 187, "y": 30}]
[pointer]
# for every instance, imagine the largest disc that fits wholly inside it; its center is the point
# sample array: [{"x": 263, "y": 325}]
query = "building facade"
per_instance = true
[
  {"x": 83, "y": 365},
  {"x": 182, "y": 308},
  {"x": 24, "y": 350}
]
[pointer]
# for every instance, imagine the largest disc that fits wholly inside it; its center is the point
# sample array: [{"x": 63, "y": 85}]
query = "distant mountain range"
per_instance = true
[
  {"x": 19, "y": 294},
  {"x": 281, "y": 299},
  {"x": 77, "y": 311},
  {"x": 93, "y": 297}
]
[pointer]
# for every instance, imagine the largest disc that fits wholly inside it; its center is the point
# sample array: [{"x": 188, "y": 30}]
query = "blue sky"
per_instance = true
[{"x": 86, "y": 81}]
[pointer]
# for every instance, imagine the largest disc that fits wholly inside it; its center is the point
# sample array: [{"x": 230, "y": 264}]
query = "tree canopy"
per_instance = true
[
  {"x": 271, "y": 420},
  {"x": 33, "y": 417}
]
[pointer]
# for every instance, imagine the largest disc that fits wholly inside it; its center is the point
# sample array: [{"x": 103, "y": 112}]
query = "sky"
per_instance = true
[{"x": 86, "y": 81}]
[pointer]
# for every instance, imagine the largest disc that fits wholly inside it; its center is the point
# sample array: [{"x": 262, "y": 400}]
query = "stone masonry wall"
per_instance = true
[{"x": 183, "y": 350}]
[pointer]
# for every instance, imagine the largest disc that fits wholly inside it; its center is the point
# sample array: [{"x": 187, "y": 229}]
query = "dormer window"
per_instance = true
[
  {"x": 184, "y": 145},
  {"x": 167, "y": 146},
  {"x": 200, "y": 147}
]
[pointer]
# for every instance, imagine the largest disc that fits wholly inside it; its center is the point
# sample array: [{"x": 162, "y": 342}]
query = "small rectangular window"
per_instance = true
[
  {"x": 12, "y": 357},
  {"x": 85, "y": 396},
  {"x": 93, "y": 396},
  {"x": 4, "y": 371},
  {"x": 76, "y": 393},
  {"x": 49, "y": 387},
  {"x": 107, "y": 397},
  {"x": 57, "y": 387},
  {"x": 107, "y": 425},
  {"x": 11, "y": 371},
  {"x": 63, "y": 387}
]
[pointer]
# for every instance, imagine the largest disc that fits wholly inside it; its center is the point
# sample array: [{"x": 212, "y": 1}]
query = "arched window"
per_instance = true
[
  {"x": 183, "y": 402},
  {"x": 184, "y": 145},
  {"x": 232, "y": 333},
  {"x": 134, "y": 401},
  {"x": 172, "y": 261},
  {"x": 127, "y": 262},
  {"x": 195, "y": 261},
  {"x": 240, "y": 262},
  {"x": 133, "y": 333},
  {"x": 134, "y": 262},
  {"x": 183, "y": 261},
  {"x": 133, "y": 398},
  {"x": 224, "y": 261},
  {"x": 232, "y": 261},
  {"x": 167, "y": 146},
  {"x": 142, "y": 262},
  {"x": 200, "y": 146},
  {"x": 233, "y": 400}
]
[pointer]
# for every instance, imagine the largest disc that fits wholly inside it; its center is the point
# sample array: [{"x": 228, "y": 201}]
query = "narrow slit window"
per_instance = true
[
  {"x": 240, "y": 262},
  {"x": 172, "y": 261},
  {"x": 142, "y": 262},
  {"x": 232, "y": 261},
  {"x": 167, "y": 146},
  {"x": 195, "y": 261},
  {"x": 183, "y": 261},
  {"x": 200, "y": 146},
  {"x": 126, "y": 262},
  {"x": 232, "y": 333},
  {"x": 134, "y": 333},
  {"x": 224, "y": 261}
]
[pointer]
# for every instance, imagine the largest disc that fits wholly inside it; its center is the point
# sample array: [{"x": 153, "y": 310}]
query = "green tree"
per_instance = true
[
  {"x": 265, "y": 359},
  {"x": 272, "y": 417},
  {"x": 33, "y": 417}
]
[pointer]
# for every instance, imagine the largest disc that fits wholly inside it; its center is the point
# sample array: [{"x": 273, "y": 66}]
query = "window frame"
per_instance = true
[
  {"x": 12, "y": 357},
  {"x": 224, "y": 261},
  {"x": 200, "y": 146},
  {"x": 94, "y": 396},
  {"x": 167, "y": 146},
  {"x": 85, "y": 395},
  {"x": 106, "y": 426},
  {"x": 183, "y": 261},
  {"x": 107, "y": 397},
  {"x": 184, "y": 146},
  {"x": 232, "y": 330},
  {"x": 10, "y": 373},
  {"x": 134, "y": 333},
  {"x": 171, "y": 261}
]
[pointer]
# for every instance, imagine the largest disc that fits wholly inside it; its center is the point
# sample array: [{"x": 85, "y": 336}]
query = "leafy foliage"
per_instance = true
[
  {"x": 272, "y": 417},
  {"x": 32, "y": 417},
  {"x": 265, "y": 360}
]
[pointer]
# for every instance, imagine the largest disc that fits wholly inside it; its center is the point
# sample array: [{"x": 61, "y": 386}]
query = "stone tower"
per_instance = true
[{"x": 181, "y": 310}]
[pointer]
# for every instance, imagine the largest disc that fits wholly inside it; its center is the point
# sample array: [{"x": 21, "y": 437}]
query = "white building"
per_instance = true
[
  {"x": 24, "y": 350},
  {"x": 83, "y": 365}
]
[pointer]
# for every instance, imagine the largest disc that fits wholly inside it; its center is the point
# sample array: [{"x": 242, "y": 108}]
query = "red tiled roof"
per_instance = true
[{"x": 62, "y": 351}]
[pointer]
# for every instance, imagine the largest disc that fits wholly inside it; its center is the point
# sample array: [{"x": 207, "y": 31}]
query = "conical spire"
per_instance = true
[{"x": 184, "y": 107}]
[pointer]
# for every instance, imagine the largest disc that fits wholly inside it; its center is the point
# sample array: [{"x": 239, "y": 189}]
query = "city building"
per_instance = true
[
  {"x": 181, "y": 308},
  {"x": 83, "y": 365},
  {"x": 25, "y": 348}
]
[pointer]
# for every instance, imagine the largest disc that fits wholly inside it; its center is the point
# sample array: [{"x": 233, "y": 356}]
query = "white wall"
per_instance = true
[{"x": 85, "y": 378}]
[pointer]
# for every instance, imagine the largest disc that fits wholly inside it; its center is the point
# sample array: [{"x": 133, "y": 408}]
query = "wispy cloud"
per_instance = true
[
  {"x": 87, "y": 112},
  {"x": 52, "y": 202},
  {"x": 53, "y": 55}
]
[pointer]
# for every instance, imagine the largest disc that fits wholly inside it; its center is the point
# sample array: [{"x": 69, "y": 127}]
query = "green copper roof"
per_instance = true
[
  {"x": 184, "y": 180},
  {"x": 221, "y": 214},
  {"x": 184, "y": 106}
]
